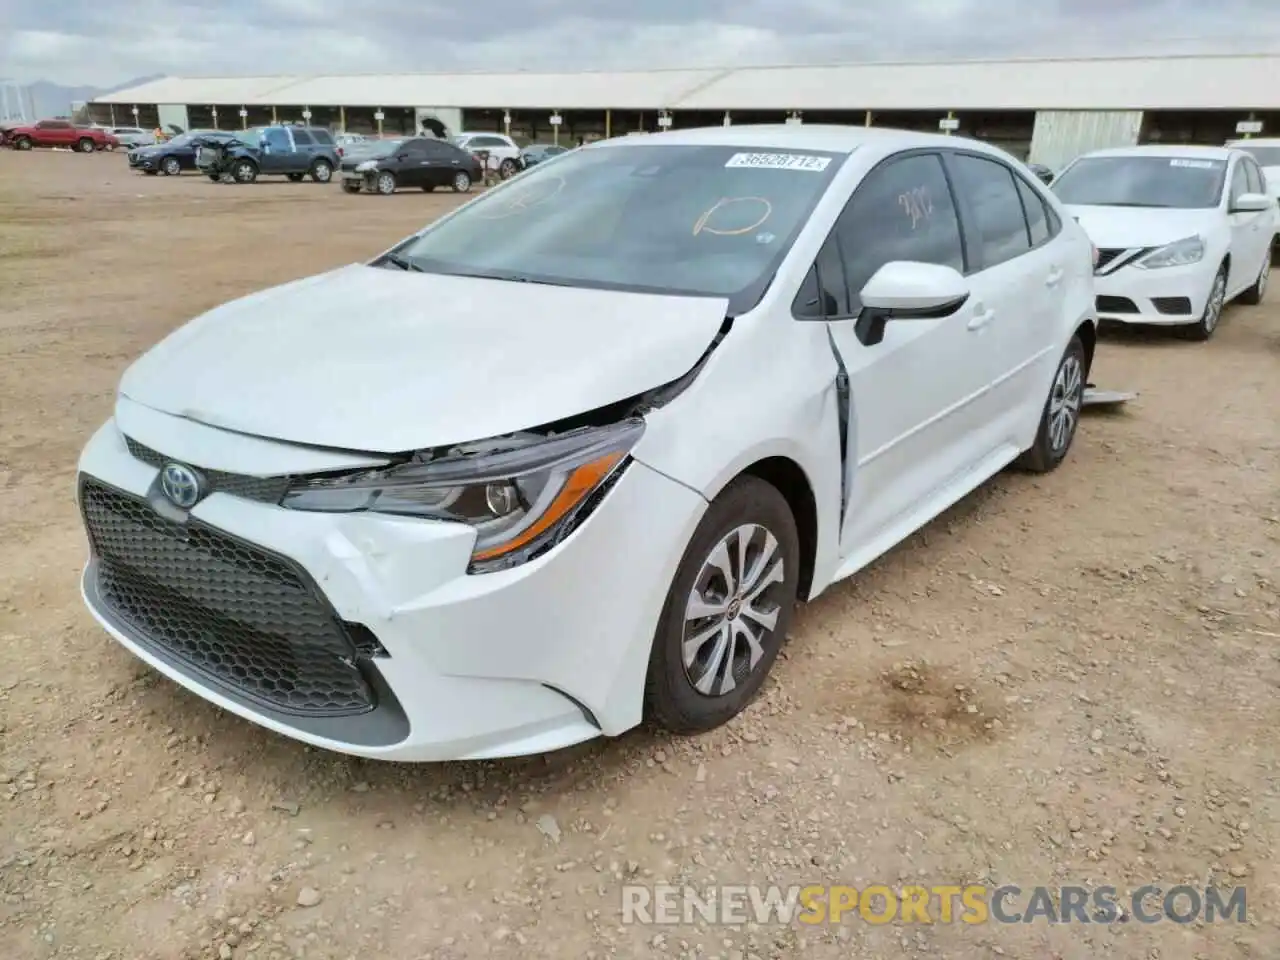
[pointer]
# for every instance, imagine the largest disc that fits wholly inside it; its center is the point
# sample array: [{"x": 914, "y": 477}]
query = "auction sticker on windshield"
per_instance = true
[
  {"x": 1193, "y": 164},
  {"x": 780, "y": 161}
]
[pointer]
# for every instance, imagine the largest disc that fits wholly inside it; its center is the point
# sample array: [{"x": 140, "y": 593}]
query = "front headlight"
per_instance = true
[
  {"x": 366, "y": 166},
  {"x": 520, "y": 496},
  {"x": 1180, "y": 253}
]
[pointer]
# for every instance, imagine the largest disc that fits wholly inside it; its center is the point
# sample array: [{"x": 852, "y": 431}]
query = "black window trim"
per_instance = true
[
  {"x": 1055, "y": 222},
  {"x": 833, "y": 238}
]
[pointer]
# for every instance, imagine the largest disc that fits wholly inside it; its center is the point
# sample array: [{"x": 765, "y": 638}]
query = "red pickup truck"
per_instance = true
[{"x": 58, "y": 133}]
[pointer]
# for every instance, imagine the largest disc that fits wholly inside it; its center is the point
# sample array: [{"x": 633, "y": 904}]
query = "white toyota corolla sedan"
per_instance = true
[
  {"x": 566, "y": 458},
  {"x": 1181, "y": 231}
]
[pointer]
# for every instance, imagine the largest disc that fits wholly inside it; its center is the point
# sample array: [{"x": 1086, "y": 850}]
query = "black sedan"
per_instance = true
[
  {"x": 421, "y": 162},
  {"x": 172, "y": 156},
  {"x": 536, "y": 153}
]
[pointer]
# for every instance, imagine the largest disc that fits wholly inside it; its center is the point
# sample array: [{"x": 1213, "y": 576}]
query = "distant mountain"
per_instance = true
[{"x": 53, "y": 100}]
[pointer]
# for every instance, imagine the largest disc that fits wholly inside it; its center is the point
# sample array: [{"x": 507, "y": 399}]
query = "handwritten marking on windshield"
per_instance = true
[
  {"x": 526, "y": 198},
  {"x": 700, "y": 225}
]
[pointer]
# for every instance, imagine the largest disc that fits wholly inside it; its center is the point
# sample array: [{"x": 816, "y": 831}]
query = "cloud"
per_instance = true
[{"x": 110, "y": 41}]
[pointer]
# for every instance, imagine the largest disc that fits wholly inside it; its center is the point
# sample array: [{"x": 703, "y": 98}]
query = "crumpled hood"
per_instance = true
[
  {"x": 1121, "y": 228},
  {"x": 382, "y": 360}
]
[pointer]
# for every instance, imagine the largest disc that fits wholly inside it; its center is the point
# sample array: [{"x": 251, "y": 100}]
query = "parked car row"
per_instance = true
[{"x": 364, "y": 164}]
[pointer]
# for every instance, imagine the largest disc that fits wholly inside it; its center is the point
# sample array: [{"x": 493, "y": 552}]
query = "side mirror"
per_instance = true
[
  {"x": 1252, "y": 203},
  {"x": 908, "y": 290}
]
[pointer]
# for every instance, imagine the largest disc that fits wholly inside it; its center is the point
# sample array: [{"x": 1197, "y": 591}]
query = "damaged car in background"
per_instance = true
[{"x": 595, "y": 433}]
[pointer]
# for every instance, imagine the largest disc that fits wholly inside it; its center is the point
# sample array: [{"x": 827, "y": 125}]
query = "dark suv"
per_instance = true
[{"x": 278, "y": 151}]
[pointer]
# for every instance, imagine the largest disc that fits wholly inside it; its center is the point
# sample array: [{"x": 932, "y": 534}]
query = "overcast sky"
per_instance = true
[{"x": 107, "y": 42}]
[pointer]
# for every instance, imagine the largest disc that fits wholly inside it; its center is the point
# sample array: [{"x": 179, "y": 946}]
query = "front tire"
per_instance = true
[
  {"x": 171, "y": 167},
  {"x": 461, "y": 182},
  {"x": 244, "y": 172},
  {"x": 22, "y": 143},
  {"x": 85, "y": 145},
  {"x": 1061, "y": 413},
  {"x": 385, "y": 183},
  {"x": 727, "y": 612},
  {"x": 1204, "y": 328},
  {"x": 351, "y": 186},
  {"x": 1254, "y": 295},
  {"x": 295, "y": 178},
  {"x": 508, "y": 169}
]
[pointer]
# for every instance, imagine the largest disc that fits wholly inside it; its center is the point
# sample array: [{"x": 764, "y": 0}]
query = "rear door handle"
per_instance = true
[
  {"x": 981, "y": 317},
  {"x": 1054, "y": 278}
]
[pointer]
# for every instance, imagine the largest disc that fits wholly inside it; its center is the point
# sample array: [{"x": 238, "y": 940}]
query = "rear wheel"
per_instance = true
[
  {"x": 321, "y": 171},
  {"x": 385, "y": 183},
  {"x": 728, "y": 609},
  {"x": 22, "y": 143},
  {"x": 1061, "y": 413},
  {"x": 1253, "y": 296},
  {"x": 1203, "y": 328},
  {"x": 214, "y": 177},
  {"x": 295, "y": 177},
  {"x": 85, "y": 145}
]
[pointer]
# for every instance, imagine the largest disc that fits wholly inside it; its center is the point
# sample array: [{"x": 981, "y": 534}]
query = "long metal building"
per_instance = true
[{"x": 1045, "y": 110}]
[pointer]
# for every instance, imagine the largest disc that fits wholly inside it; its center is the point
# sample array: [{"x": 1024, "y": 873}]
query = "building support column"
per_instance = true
[
  {"x": 866, "y": 121},
  {"x": 608, "y": 124},
  {"x": 342, "y": 119},
  {"x": 274, "y": 119}
]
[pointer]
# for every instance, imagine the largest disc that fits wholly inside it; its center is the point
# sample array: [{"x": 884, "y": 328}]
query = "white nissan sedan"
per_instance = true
[
  {"x": 567, "y": 458},
  {"x": 1181, "y": 231}
]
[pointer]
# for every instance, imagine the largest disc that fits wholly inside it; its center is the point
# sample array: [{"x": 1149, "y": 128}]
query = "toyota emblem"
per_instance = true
[{"x": 181, "y": 485}]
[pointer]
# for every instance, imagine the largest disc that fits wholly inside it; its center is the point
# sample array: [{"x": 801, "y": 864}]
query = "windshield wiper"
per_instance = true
[{"x": 404, "y": 263}]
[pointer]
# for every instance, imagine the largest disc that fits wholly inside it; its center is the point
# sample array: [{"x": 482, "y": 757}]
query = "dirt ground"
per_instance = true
[{"x": 1065, "y": 680}]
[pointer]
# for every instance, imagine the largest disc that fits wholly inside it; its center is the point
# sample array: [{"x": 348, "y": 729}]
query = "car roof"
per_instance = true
[
  {"x": 833, "y": 138},
  {"x": 1168, "y": 150},
  {"x": 1255, "y": 142}
]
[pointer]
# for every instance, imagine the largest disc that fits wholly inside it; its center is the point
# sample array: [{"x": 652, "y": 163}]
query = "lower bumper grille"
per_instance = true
[
  {"x": 1108, "y": 304},
  {"x": 1172, "y": 305},
  {"x": 237, "y": 615}
]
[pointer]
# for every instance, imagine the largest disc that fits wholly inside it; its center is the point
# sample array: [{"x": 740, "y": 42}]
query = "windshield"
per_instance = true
[
  {"x": 700, "y": 220},
  {"x": 252, "y": 136},
  {"x": 181, "y": 140},
  {"x": 1266, "y": 156},
  {"x": 1184, "y": 183}
]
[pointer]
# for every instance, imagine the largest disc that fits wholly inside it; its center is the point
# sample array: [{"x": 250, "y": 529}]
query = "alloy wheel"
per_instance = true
[
  {"x": 1217, "y": 299},
  {"x": 1065, "y": 401},
  {"x": 732, "y": 611}
]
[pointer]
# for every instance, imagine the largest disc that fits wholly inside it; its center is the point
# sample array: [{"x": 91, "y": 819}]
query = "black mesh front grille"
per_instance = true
[
  {"x": 229, "y": 610},
  {"x": 1105, "y": 257},
  {"x": 262, "y": 489}
]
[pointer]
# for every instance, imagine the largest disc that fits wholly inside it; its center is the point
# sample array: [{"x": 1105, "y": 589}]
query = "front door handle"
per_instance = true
[
  {"x": 982, "y": 316},
  {"x": 1054, "y": 278}
]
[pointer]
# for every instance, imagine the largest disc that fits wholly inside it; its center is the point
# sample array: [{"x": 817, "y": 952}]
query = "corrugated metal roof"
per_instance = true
[
  {"x": 237, "y": 91},
  {"x": 1138, "y": 83},
  {"x": 632, "y": 90}
]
